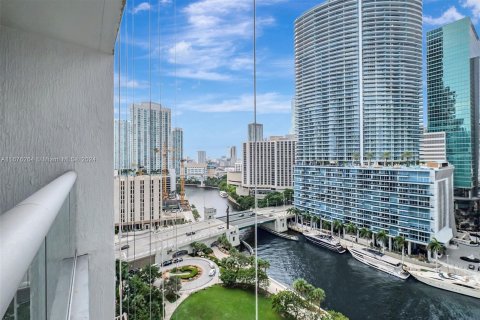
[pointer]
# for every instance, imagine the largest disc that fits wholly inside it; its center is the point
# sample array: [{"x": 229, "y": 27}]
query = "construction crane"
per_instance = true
[
  {"x": 182, "y": 181},
  {"x": 165, "y": 151}
]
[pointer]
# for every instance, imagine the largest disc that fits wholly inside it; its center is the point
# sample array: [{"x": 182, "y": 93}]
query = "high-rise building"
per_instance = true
[
  {"x": 433, "y": 147},
  {"x": 201, "y": 157},
  {"x": 271, "y": 168},
  {"x": 358, "y": 94},
  {"x": 358, "y": 67},
  {"x": 233, "y": 155},
  {"x": 293, "y": 118},
  {"x": 150, "y": 138},
  {"x": 121, "y": 134},
  {"x": 453, "y": 98},
  {"x": 255, "y": 132},
  {"x": 177, "y": 146}
]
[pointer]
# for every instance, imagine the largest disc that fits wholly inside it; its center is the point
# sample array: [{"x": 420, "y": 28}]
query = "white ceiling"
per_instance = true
[{"x": 90, "y": 23}]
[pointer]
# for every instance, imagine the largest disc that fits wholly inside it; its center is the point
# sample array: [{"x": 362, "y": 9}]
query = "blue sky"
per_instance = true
[{"x": 195, "y": 57}]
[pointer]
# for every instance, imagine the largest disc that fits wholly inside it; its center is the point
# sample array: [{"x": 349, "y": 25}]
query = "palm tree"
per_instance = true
[
  {"x": 338, "y": 225},
  {"x": 356, "y": 156},
  {"x": 316, "y": 296},
  {"x": 369, "y": 157},
  {"x": 301, "y": 286},
  {"x": 365, "y": 233},
  {"x": 382, "y": 236},
  {"x": 407, "y": 155},
  {"x": 400, "y": 243},
  {"x": 351, "y": 228},
  {"x": 326, "y": 224},
  {"x": 386, "y": 155},
  {"x": 436, "y": 247}
]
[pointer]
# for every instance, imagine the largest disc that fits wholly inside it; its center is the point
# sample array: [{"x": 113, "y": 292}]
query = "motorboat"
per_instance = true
[
  {"x": 223, "y": 194},
  {"x": 379, "y": 261},
  {"x": 326, "y": 241},
  {"x": 465, "y": 285}
]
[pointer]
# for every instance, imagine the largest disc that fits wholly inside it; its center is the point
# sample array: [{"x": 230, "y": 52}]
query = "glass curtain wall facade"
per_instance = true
[
  {"x": 358, "y": 80},
  {"x": 151, "y": 128},
  {"x": 452, "y": 86},
  {"x": 358, "y": 98},
  {"x": 177, "y": 145}
]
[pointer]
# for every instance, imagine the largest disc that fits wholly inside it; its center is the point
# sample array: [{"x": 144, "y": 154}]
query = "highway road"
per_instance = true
[{"x": 167, "y": 238}]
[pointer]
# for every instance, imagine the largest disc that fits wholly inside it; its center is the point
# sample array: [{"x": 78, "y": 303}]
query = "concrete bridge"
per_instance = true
[
  {"x": 162, "y": 244},
  {"x": 271, "y": 218}
]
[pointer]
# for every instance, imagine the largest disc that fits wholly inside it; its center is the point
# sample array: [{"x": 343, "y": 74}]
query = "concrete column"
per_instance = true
[
  {"x": 373, "y": 238},
  {"x": 320, "y": 226},
  {"x": 331, "y": 227},
  {"x": 389, "y": 244},
  {"x": 409, "y": 248},
  {"x": 429, "y": 254}
]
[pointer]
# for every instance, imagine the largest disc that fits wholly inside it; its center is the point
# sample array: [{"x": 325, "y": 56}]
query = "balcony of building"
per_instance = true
[{"x": 56, "y": 138}]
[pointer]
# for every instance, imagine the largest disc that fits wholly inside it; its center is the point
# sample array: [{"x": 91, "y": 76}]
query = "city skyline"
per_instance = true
[{"x": 226, "y": 103}]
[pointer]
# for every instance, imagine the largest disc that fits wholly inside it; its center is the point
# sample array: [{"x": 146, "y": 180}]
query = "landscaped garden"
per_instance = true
[
  {"x": 218, "y": 302},
  {"x": 185, "y": 272}
]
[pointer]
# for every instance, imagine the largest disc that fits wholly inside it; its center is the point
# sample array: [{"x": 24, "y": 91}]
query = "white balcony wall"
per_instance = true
[{"x": 55, "y": 104}]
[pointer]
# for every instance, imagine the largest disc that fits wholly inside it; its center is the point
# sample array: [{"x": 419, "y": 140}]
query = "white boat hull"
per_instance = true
[
  {"x": 325, "y": 244},
  {"x": 446, "y": 285},
  {"x": 378, "y": 264}
]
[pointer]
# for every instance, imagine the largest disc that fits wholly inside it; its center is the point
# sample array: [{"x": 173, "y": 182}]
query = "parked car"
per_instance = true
[
  {"x": 221, "y": 227},
  {"x": 212, "y": 272},
  {"x": 176, "y": 260},
  {"x": 125, "y": 247},
  {"x": 212, "y": 266},
  {"x": 471, "y": 267},
  {"x": 167, "y": 263}
]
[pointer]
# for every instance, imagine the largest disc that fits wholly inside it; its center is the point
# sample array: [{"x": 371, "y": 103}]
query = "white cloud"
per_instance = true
[
  {"x": 144, "y": 6},
  {"x": 474, "y": 6},
  {"x": 270, "y": 102},
  {"x": 126, "y": 82},
  {"x": 216, "y": 39},
  {"x": 200, "y": 75},
  {"x": 448, "y": 16}
]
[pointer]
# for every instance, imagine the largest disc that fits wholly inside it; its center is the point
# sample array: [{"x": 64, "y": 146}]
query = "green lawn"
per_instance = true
[{"x": 221, "y": 303}]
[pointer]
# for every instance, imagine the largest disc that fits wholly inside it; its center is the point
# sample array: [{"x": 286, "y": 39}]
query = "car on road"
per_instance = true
[
  {"x": 221, "y": 227},
  {"x": 190, "y": 233},
  {"x": 167, "y": 263},
  {"x": 176, "y": 260},
  {"x": 212, "y": 266},
  {"x": 125, "y": 247},
  {"x": 241, "y": 215},
  {"x": 252, "y": 214},
  {"x": 471, "y": 267},
  {"x": 212, "y": 272}
]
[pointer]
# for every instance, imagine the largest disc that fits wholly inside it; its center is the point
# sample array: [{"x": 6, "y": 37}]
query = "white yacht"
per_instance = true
[
  {"x": 223, "y": 194},
  {"x": 447, "y": 281},
  {"x": 326, "y": 241},
  {"x": 379, "y": 261}
]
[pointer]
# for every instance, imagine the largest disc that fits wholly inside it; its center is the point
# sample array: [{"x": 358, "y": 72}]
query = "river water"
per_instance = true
[
  {"x": 210, "y": 198},
  {"x": 356, "y": 290}
]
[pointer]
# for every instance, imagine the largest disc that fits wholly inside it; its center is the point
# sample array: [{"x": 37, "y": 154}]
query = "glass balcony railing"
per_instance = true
[{"x": 37, "y": 251}]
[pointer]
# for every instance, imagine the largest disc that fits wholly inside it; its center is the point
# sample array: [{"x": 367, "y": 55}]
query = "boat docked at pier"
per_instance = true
[
  {"x": 447, "y": 281},
  {"x": 223, "y": 194},
  {"x": 379, "y": 261},
  {"x": 326, "y": 241}
]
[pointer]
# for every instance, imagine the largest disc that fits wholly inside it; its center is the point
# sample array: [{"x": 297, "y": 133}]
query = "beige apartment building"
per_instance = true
[{"x": 137, "y": 203}]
